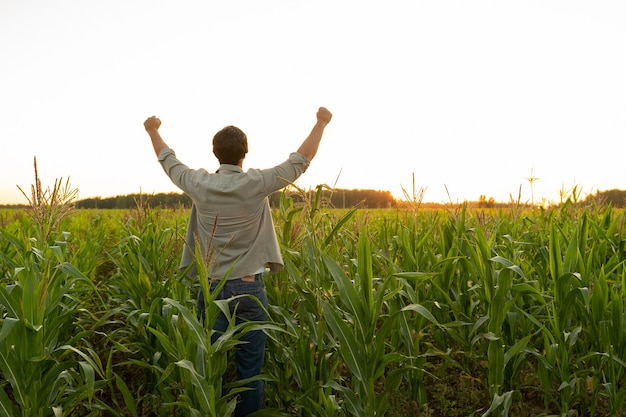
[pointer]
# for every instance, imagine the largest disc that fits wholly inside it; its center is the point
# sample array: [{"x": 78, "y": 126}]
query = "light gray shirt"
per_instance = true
[{"x": 230, "y": 216}]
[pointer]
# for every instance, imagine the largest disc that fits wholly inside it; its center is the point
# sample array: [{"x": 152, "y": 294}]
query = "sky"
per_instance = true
[{"x": 522, "y": 100}]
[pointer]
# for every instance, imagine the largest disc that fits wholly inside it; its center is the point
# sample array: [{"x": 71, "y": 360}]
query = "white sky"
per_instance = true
[{"x": 472, "y": 97}]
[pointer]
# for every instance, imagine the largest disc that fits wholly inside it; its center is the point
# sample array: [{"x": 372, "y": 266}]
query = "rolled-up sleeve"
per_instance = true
[
  {"x": 181, "y": 175},
  {"x": 167, "y": 159},
  {"x": 281, "y": 175}
]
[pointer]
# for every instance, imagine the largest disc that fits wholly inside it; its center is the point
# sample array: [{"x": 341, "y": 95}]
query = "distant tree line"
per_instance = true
[
  {"x": 337, "y": 198},
  {"x": 164, "y": 200},
  {"x": 615, "y": 197}
]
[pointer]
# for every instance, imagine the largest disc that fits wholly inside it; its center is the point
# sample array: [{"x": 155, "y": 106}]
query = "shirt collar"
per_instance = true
[{"x": 229, "y": 168}]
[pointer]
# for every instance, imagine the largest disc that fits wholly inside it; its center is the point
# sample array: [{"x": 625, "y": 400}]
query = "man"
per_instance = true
[{"x": 231, "y": 219}]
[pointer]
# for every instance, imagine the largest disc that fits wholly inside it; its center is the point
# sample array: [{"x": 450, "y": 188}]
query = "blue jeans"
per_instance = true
[{"x": 250, "y": 354}]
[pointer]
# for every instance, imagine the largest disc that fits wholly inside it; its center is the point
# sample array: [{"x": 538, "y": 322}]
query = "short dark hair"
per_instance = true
[{"x": 230, "y": 145}]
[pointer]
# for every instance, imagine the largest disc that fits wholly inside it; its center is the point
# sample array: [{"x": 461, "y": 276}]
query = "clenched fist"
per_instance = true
[
  {"x": 323, "y": 115},
  {"x": 152, "y": 123}
]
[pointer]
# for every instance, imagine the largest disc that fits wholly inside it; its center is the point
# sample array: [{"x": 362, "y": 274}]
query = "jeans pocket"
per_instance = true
[{"x": 250, "y": 304}]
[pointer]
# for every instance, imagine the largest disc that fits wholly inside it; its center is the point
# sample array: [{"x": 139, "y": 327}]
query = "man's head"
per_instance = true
[{"x": 230, "y": 145}]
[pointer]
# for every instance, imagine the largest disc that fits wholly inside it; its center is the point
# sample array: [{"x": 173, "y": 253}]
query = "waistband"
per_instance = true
[{"x": 247, "y": 278}]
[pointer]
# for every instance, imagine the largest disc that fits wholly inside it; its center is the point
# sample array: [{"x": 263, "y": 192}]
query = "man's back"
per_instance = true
[{"x": 231, "y": 217}]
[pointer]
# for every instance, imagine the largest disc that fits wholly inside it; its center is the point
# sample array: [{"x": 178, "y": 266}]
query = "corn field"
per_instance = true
[{"x": 410, "y": 312}]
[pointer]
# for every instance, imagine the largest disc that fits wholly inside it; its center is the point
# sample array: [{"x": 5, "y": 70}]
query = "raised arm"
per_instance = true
[
  {"x": 152, "y": 125},
  {"x": 309, "y": 147}
]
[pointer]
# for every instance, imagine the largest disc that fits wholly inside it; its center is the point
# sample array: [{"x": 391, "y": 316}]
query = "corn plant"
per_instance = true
[
  {"x": 302, "y": 356},
  {"x": 303, "y": 353},
  {"x": 48, "y": 207},
  {"x": 47, "y": 367},
  {"x": 404, "y": 255},
  {"x": 361, "y": 326}
]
